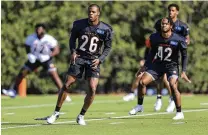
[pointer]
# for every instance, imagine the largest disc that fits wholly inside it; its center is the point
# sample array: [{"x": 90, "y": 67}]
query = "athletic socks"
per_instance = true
[
  {"x": 57, "y": 109},
  {"x": 83, "y": 112},
  {"x": 140, "y": 100},
  {"x": 159, "y": 96},
  {"x": 178, "y": 108}
]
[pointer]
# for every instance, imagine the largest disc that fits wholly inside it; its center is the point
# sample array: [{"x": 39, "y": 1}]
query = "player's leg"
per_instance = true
[
  {"x": 158, "y": 103},
  {"x": 25, "y": 70},
  {"x": 75, "y": 71},
  {"x": 171, "y": 105},
  {"x": 61, "y": 98},
  {"x": 93, "y": 82},
  {"x": 134, "y": 89},
  {"x": 145, "y": 80},
  {"x": 55, "y": 77},
  {"x": 172, "y": 75},
  {"x": 93, "y": 77}
]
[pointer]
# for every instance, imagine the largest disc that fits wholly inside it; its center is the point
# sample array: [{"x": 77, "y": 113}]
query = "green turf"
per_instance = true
[{"x": 20, "y": 114}]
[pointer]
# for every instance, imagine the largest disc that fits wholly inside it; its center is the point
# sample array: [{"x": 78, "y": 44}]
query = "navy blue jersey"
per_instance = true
[
  {"x": 167, "y": 51},
  {"x": 91, "y": 39},
  {"x": 179, "y": 27}
]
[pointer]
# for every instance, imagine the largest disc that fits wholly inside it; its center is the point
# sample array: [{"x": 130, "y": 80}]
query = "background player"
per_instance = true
[
  {"x": 40, "y": 48},
  {"x": 180, "y": 28},
  {"x": 91, "y": 34},
  {"x": 165, "y": 48}
]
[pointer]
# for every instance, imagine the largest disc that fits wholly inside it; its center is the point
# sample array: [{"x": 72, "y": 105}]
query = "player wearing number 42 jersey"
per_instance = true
[
  {"x": 92, "y": 34},
  {"x": 164, "y": 55},
  {"x": 40, "y": 48}
]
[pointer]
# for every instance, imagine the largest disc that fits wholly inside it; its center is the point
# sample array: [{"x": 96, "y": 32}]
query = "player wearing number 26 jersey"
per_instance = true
[
  {"x": 91, "y": 39},
  {"x": 94, "y": 44}
]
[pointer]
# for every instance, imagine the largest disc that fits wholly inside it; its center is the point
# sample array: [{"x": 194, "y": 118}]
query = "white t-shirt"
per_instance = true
[{"x": 41, "y": 46}]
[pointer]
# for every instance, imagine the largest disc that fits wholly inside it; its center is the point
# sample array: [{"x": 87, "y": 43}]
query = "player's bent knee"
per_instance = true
[
  {"x": 141, "y": 83},
  {"x": 65, "y": 88}
]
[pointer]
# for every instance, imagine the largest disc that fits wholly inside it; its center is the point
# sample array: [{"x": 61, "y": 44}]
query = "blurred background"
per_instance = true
[{"x": 132, "y": 22}]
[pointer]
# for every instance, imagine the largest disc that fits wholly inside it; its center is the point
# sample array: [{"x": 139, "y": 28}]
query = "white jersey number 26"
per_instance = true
[{"x": 93, "y": 44}]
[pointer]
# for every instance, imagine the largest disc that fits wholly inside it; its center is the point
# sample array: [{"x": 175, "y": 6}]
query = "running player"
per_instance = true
[{"x": 40, "y": 48}]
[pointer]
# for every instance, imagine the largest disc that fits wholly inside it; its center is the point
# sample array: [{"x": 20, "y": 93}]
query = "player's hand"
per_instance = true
[
  {"x": 140, "y": 71},
  {"x": 184, "y": 77},
  {"x": 43, "y": 58},
  {"x": 141, "y": 63},
  {"x": 31, "y": 57},
  {"x": 73, "y": 57},
  {"x": 95, "y": 63}
]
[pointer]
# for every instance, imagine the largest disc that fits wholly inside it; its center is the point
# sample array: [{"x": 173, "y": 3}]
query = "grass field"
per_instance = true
[{"x": 107, "y": 116}]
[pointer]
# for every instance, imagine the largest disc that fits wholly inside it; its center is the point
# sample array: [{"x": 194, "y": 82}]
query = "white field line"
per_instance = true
[
  {"x": 108, "y": 113},
  {"x": 176, "y": 123},
  {"x": 101, "y": 119},
  {"x": 48, "y": 105},
  {"x": 203, "y": 103},
  {"x": 9, "y": 114},
  {"x": 115, "y": 123},
  {"x": 4, "y": 122}
]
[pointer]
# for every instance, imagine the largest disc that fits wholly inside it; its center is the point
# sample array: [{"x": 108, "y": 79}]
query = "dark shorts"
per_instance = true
[
  {"x": 158, "y": 70},
  {"x": 82, "y": 65},
  {"x": 48, "y": 65}
]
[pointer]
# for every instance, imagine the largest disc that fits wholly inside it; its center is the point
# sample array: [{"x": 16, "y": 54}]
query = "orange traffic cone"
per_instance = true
[{"x": 22, "y": 89}]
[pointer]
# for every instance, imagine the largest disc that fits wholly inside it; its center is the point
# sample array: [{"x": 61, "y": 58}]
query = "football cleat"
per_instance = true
[
  {"x": 12, "y": 93},
  {"x": 68, "y": 99},
  {"x": 129, "y": 97},
  {"x": 171, "y": 106},
  {"x": 158, "y": 105},
  {"x": 53, "y": 118},
  {"x": 80, "y": 120},
  {"x": 136, "y": 109},
  {"x": 179, "y": 116}
]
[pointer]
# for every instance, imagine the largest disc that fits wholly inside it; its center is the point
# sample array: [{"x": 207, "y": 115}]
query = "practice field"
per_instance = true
[{"x": 107, "y": 116}]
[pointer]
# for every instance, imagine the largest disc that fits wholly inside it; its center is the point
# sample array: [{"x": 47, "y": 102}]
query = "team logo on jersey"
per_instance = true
[
  {"x": 175, "y": 43},
  {"x": 178, "y": 28},
  {"x": 100, "y": 31}
]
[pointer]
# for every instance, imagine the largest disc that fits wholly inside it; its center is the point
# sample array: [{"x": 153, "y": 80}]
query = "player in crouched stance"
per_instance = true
[
  {"x": 92, "y": 34},
  {"x": 164, "y": 53}
]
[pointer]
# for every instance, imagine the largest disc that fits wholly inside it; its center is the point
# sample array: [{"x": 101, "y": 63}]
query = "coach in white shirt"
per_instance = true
[{"x": 40, "y": 48}]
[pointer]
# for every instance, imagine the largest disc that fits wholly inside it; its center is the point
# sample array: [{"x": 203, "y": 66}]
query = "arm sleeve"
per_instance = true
[
  {"x": 148, "y": 53},
  {"x": 184, "y": 58},
  {"x": 147, "y": 50},
  {"x": 53, "y": 42},
  {"x": 107, "y": 45},
  {"x": 73, "y": 37},
  {"x": 186, "y": 30},
  {"x": 28, "y": 41}
]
